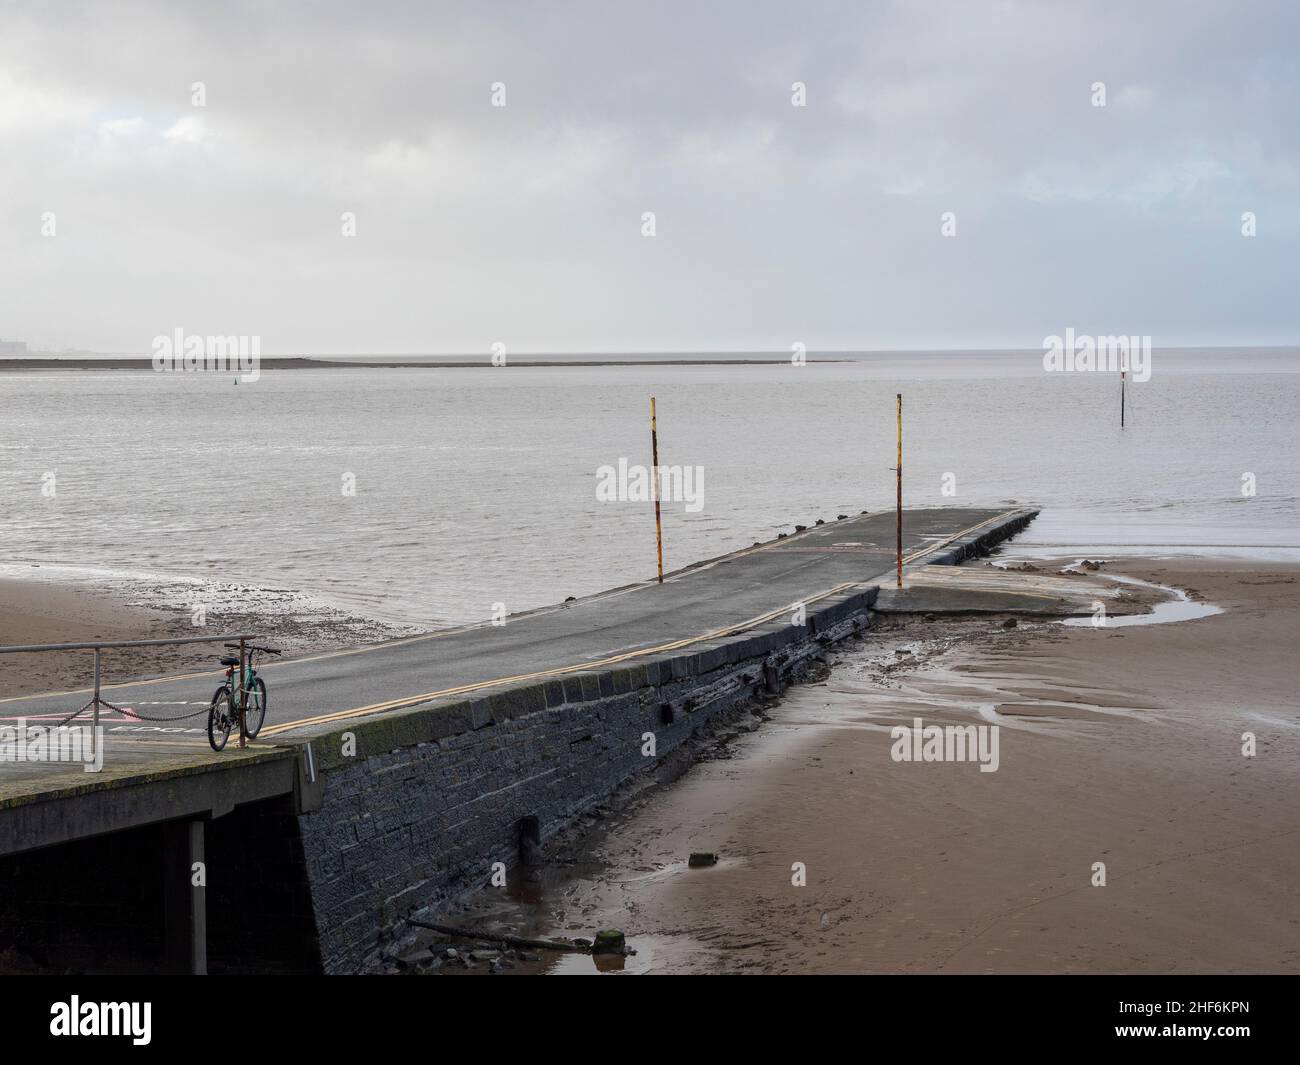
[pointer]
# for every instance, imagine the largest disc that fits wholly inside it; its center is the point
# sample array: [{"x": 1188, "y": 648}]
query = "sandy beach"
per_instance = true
[{"x": 1118, "y": 746}]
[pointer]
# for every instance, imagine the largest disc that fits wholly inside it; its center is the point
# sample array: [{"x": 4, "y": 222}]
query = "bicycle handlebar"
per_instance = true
[{"x": 255, "y": 647}]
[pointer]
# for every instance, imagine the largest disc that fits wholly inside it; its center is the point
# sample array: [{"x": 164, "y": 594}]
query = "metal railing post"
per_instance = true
[
  {"x": 95, "y": 703},
  {"x": 243, "y": 698},
  {"x": 96, "y": 699}
]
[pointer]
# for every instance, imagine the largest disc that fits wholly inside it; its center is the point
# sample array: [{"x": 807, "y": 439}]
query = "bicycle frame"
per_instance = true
[
  {"x": 250, "y": 675},
  {"x": 241, "y": 681},
  {"x": 240, "y": 692}
]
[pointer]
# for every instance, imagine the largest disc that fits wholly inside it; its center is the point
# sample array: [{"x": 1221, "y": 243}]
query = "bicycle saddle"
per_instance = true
[{"x": 229, "y": 660}]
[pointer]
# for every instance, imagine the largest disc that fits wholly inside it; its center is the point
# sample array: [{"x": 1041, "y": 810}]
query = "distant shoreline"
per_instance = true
[
  {"x": 304, "y": 363},
  {"x": 1285, "y": 356}
]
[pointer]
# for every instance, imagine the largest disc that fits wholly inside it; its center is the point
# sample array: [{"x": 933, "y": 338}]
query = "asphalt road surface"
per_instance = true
[{"x": 748, "y": 586}]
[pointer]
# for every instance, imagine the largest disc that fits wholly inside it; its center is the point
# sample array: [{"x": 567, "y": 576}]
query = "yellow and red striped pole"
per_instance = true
[
  {"x": 654, "y": 459},
  {"x": 899, "y": 475}
]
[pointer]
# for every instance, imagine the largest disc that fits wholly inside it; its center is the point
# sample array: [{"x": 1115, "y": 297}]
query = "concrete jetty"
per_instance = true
[
  {"x": 390, "y": 778},
  {"x": 950, "y": 590}
]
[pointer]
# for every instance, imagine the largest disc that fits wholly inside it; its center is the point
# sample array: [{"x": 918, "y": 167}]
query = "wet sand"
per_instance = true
[
  {"x": 50, "y": 611},
  {"x": 1118, "y": 745},
  {"x": 1121, "y": 746},
  {"x": 34, "y": 611}
]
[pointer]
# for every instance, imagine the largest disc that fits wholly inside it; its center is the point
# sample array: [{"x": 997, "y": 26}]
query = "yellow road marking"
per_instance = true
[
  {"x": 401, "y": 642},
  {"x": 411, "y": 700}
]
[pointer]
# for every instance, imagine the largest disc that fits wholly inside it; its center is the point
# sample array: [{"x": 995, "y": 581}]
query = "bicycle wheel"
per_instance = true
[
  {"x": 221, "y": 718},
  {"x": 256, "y": 712}
]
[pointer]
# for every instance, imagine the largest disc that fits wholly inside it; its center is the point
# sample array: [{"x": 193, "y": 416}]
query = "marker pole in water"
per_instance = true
[
  {"x": 898, "y": 472},
  {"x": 1123, "y": 381},
  {"x": 654, "y": 460}
]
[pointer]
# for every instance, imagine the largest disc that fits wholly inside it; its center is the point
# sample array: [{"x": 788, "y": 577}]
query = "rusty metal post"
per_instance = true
[
  {"x": 899, "y": 478},
  {"x": 654, "y": 459}
]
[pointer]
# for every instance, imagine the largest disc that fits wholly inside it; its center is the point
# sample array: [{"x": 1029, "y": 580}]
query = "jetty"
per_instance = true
[{"x": 392, "y": 778}]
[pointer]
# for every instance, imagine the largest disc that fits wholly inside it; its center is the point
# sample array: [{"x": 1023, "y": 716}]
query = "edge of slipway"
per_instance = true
[{"x": 776, "y": 645}]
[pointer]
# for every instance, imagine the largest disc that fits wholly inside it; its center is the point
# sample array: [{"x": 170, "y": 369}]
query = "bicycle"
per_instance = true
[{"x": 223, "y": 713}]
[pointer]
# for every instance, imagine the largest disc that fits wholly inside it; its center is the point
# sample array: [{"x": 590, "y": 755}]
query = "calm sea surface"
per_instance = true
[{"x": 478, "y": 486}]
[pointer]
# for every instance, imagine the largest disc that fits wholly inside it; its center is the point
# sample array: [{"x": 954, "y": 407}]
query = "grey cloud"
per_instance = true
[{"x": 522, "y": 224}]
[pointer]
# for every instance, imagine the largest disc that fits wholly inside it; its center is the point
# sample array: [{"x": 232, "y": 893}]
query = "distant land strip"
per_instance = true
[{"x": 300, "y": 362}]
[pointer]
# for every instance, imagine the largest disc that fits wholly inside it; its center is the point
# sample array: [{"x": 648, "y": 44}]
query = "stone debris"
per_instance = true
[{"x": 609, "y": 941}]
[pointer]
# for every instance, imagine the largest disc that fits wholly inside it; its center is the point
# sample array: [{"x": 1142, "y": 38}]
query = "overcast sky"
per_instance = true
[{"x": 523, "y": 224}]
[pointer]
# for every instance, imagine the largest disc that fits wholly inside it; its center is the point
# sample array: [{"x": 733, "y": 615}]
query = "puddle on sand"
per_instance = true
[
  {"x": 672, "y": 869},
  {"x": 1179, "y": 608},
  {"x": 972, "y": 670},
  {"x": 654, "y": 953},
  {"x": 574, "y": 896},
  {"x": 1021, "y": 698},
  {"x": 1276, "y": 722}
]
